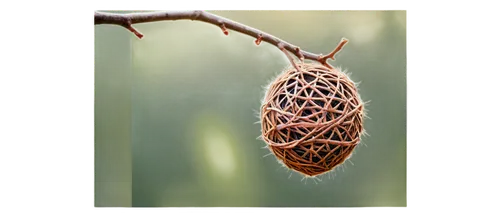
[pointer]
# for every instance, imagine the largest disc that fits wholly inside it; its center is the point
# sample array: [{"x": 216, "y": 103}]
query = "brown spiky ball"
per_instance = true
[{"x": 312, "y": 118}]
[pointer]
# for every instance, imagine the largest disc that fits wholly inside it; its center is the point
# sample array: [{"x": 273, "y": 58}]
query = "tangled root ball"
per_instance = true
[{"x": 312, "y": 119}]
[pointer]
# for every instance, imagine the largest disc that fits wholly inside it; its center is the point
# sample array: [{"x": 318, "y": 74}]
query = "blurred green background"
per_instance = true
[{"x": 176, "y": 112}]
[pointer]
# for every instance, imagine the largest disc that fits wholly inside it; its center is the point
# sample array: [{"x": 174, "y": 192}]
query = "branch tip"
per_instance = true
[
  {"x": 299, "y": 54},
  {"x": 224, "y": 29},
  {"x": 322, "y": 59},
  {"x": 259, "y": 39},
  {"x": 133, "y": 30}
]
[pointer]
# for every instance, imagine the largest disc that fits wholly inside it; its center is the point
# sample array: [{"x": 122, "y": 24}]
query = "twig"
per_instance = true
[
  {"x": 282, "y": 48},
  {"x": 127, "y": 20},
  {"x": 331, "y": 55}
]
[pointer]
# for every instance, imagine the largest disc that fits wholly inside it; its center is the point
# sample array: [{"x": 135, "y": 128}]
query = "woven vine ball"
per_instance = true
[{"x": 312, "y": 118}]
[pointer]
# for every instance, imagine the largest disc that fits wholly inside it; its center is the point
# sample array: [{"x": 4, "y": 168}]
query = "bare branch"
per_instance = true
[
  {"x": 331, "y": 55},
  {"x": 127, "y": 20}
]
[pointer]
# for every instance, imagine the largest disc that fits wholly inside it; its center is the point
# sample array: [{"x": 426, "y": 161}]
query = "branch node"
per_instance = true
[
  {"x": 259, "y": 39},
  {"x": 196, "y": 15},
  {"x": 322, "y": 59},
  {"x": 281, "y": 46},
  {"x": 128, "y": 25},
  {"x": 224, "y": 29},
  {"x": 299, "y": 54}
]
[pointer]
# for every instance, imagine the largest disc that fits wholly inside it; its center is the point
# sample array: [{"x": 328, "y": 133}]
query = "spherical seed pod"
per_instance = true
[{"x": 312, "y": 118}]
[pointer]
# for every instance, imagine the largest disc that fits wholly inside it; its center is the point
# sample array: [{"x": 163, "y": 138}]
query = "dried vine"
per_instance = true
[{"x": 127, "y": 20}]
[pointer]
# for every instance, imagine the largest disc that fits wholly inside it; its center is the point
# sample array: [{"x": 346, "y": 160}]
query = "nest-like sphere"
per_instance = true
[{"x": 312, "y": 119}]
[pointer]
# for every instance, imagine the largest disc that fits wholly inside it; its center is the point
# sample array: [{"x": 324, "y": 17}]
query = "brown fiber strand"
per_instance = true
[{"x": 312, "y": 118}]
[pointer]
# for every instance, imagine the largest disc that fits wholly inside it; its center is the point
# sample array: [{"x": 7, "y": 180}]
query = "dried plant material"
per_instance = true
[
  {"x": 312, "y": 114},
  {"x": 312, "y": 118},
  {"x": 127, "y": 20}
]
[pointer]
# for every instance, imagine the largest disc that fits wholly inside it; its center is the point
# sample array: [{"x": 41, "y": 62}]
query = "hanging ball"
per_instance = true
[{"x": 312, "y": 119}]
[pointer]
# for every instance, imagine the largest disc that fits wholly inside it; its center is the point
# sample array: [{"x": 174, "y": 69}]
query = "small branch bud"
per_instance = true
[
  {"x": 259, "y": 39},
  {"x": 196, "y": 15},
  {"x": 299, "y": 54},
  {"x": 320, "y": 56},
  {"x": 224, "y": 29},
  {"x": 133, "y": 30},
  {"x": 128, "y": 25}
]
